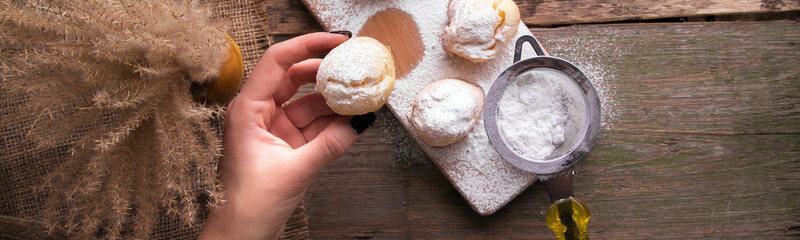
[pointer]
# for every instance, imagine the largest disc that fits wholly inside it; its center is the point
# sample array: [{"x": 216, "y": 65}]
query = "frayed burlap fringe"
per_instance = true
[{"x": 25, "y": 166}]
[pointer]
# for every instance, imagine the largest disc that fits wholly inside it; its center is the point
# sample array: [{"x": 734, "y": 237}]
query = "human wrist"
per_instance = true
[
  {"x": 236, "y": 218},
  {"x": 251, "y": 215},
  {"x": 225, "y": 226}
]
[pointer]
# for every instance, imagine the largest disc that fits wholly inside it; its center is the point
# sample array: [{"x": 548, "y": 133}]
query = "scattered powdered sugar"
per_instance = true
[
  {"x": 445, "y": 111},
  {"x": 404, "y": 149},
  {"x": 592, "y": 51},
  {"x": 485, "y": 180},
  {"x": 472, "y": 165},
  {"x": 532, "y": 115}
]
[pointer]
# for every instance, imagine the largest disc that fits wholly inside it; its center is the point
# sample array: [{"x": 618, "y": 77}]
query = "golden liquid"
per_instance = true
[{"x": 568, "y": 218}]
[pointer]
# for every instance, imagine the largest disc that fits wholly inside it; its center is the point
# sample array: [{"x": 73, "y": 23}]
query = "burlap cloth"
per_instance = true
[{"x": 22, "y": 167}]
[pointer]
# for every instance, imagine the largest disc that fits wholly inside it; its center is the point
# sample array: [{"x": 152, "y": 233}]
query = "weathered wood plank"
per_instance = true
[
  {"x": 702, "y": 142},
  {"x": 555, "y": 12},
  {"x": 716, "y": 78},
  {"x": 291, "y": 17}
]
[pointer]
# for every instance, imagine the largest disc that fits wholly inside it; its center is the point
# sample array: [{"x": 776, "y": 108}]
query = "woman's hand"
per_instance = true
[{"x": 271, "y": 151}]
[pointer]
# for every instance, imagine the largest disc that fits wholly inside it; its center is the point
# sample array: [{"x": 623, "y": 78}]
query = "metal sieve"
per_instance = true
[
  {"x": 581, "y": 105},
  {"x": 567, "y": 216}
]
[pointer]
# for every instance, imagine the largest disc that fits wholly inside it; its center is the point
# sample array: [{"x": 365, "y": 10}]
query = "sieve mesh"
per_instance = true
[
  {"x": 573, "y": 104},
  {"x": 575, "y": 108}
]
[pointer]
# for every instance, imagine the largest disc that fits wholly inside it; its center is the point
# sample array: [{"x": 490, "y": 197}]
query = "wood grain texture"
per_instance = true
[
  {"x": 291, "y": 17},
  {"x": 704, "y": 142},
  {"x": 555, "y": 12}
]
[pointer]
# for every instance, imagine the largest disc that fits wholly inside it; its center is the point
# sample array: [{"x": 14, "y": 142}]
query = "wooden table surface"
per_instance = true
[{"x": 702, "y": 139}]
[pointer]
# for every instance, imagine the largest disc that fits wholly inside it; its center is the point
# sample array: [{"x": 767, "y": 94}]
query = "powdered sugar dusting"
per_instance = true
[
  {"x": 445, "y": 111},
  {"x": 354, "y": 76},
  {"x": 360, "y": 59},
  {"x": 477, "y": 29},
  {"x": 485, "y": 180}
]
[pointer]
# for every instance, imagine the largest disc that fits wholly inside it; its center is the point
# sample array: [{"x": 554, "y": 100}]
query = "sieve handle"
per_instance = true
[
  {"x": 559, "y": 185},
  {"x": 567, "y": 216},
  {"x": 530, "y": 39}
]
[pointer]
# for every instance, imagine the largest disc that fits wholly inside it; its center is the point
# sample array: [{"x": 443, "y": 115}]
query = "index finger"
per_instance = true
[{"x": 271, "y": 68}]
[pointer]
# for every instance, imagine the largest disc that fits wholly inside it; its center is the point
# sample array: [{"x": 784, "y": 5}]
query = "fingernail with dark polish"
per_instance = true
[
  {"x": 362, "y": 122},
  {"x": 346, "y": 33}
]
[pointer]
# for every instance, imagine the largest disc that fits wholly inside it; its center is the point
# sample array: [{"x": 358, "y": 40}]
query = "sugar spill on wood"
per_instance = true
[
  {"x": 405, "y": 151},
  {"x": 590, "y": 53},
  {"x": 704, "y": 138}
]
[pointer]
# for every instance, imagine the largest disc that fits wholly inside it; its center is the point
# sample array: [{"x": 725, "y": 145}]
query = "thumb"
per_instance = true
[{"x": 333, "y": 142}]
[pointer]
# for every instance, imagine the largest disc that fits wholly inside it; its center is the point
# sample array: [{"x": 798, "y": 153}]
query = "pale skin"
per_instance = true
[{"x": 271, "y": 150}]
